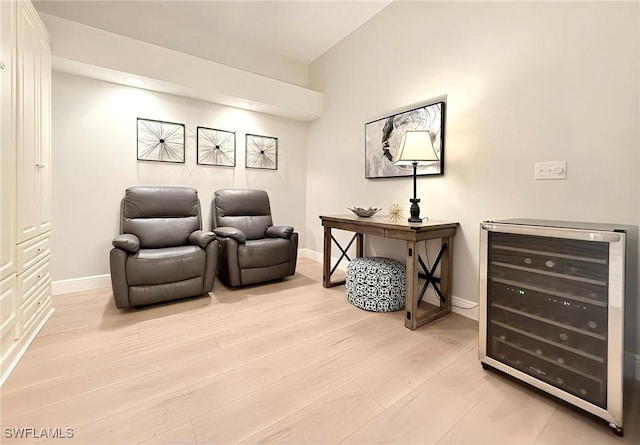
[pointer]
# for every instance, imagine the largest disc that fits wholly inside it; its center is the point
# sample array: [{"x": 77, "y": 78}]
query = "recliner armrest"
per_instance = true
[
  {"x": 231, "y": 232},
  {"x": 127, "y": 242},
  {"x": 279, "y": 232},
  {"x": 202, "y": 238}
]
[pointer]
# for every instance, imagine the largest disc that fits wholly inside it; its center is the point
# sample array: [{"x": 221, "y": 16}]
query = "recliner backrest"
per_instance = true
[
  {"x": 160, "y": 216},
  {"x": 245, "y": 209}
]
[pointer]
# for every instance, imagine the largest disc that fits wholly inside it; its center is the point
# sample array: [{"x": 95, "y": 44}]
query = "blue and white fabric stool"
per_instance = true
[{"x": 376, "y": 284}]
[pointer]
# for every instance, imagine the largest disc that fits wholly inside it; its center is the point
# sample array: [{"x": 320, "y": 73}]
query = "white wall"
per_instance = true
[
  {"x": 523, "y": 82},
  {"x": 95, "y": 159}
]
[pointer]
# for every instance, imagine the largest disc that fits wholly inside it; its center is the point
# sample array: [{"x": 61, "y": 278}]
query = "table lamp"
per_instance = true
[{"x": 416, "y": 148}]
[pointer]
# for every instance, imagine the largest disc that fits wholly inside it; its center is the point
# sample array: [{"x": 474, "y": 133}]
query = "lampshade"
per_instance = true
[{"x": 416, "y": 146}]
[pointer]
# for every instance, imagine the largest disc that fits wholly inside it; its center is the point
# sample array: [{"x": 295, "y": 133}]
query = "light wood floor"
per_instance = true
[{"x": 287, "y": 362}]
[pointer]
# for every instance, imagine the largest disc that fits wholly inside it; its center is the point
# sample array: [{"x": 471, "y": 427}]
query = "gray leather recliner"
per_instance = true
[
  {"x": 161, "y": 254},
  {"x": 253, "y": 249}
]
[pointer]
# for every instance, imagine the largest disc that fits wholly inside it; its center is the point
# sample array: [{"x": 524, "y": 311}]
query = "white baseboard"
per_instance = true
[
  {"x": 311, "y": 254},
  {"x": 80, "y": 284},
  {"x": 317, "y": 256},
  {"x": 464, "y": 307}
]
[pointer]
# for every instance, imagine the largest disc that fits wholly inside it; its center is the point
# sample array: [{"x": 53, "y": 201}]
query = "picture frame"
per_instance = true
[
  {"x": 383, "y": 136},
  {"x": 215, "y": 147},
  {"x": 261, "y": 152},
  {"x": 160, "y": 141}
]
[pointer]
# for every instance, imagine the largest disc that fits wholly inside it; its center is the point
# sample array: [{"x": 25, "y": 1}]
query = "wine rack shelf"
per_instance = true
[{"x": 551, "y": 296}]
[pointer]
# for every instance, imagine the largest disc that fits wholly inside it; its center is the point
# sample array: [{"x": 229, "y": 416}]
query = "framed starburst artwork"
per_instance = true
[
  {"x": 216, "y": 147},
  {"x": 160, "y": 141},
  {"x": 261, "y": 152}
]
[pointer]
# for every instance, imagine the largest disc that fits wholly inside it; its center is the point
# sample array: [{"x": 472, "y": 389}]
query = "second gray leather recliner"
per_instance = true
[
  {"x": 161, "y": 253},
  {"x": 253, "y": 250}
]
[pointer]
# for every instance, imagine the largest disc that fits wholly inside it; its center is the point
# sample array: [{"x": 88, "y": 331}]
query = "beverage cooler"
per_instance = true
[{"x": 558, "y": 304}]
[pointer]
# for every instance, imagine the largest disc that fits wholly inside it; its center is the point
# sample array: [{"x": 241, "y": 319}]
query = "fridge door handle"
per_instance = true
[{"x": 554, "y": 232}]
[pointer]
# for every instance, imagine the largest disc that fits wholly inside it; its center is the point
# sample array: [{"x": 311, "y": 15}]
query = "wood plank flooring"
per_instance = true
[{"x": 287, "y": 362}]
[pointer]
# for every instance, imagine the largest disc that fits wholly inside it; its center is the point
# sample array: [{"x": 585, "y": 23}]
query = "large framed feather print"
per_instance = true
[{"x": 383, "y": 136}]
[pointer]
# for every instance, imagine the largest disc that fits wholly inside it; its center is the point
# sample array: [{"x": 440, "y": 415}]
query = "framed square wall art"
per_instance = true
[
  {"x": 160, "y": 141},
  {"x": 216, "y": 147},
  {"x": 383, "y": 136},
  {"x": 261, "y": 152}
]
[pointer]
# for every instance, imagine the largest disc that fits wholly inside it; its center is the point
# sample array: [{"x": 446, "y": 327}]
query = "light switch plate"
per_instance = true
[{"x": 551, "y": 170}]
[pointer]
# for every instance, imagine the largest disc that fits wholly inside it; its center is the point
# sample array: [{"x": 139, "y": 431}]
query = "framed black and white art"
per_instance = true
[
  {"x": 160, "y": 141},
  {"x": 261, "y": 152},
  {"x": 383, "y": 136},
  {"x": 216, "y": 147}
]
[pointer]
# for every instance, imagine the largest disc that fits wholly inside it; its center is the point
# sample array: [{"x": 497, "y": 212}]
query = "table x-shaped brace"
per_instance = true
[
  {"x": 344, "y": 251},
  {"x": 427, "y": 275}
]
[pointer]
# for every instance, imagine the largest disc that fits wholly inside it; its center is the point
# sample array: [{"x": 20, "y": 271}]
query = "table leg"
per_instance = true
[
  {"x": 360, "y": 245},
  {"x": 326, "y": 259},
  {"x": 411, "y": 302},
  {"x": 445, "y": 271},
  {"x": 428, "y": 311}
]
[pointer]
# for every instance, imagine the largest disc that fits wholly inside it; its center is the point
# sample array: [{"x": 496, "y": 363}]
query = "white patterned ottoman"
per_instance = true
[{"x": 376, "y": 284}]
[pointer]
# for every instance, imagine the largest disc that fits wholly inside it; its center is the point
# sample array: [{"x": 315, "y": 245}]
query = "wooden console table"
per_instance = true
[{"x": 417, "y": 312}]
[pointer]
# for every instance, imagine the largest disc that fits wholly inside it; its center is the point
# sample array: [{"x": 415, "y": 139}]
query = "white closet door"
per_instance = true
[
  {"x": 33, "y": 123},
  {"x": 8, "y": 139},
  {"x": 43, "y": 185}
]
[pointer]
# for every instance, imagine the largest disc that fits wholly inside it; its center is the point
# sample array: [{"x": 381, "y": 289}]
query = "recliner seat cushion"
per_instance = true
[
  {"x": 264, "y": 252},
  {"x": 165, "y": 265}
]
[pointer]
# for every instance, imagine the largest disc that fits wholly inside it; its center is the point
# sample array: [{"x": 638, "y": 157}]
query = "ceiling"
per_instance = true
[{"x": 297, "y": 30}]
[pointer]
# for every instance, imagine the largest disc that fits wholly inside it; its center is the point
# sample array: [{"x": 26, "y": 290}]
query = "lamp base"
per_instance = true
[{"x": 414, "y": 211}]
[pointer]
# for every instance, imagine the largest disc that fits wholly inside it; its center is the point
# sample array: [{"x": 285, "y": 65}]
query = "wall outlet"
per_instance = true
[{"x": 551, "y": 170}]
